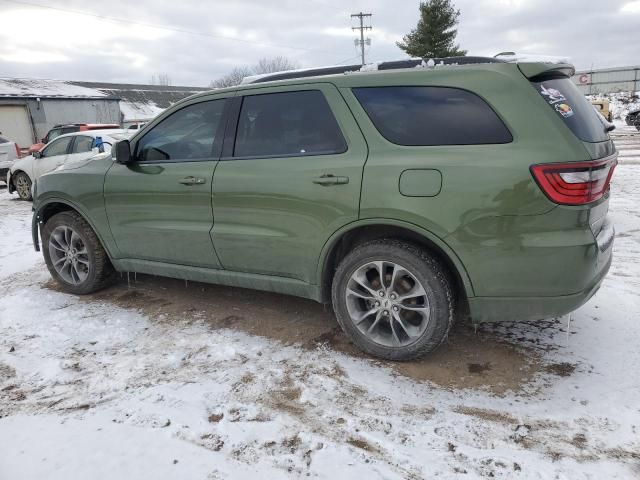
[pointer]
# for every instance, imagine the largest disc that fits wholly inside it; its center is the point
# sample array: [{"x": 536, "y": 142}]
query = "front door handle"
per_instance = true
[
  {"x": 192, "y": 181},
  {"x": 328, "y": 179}
]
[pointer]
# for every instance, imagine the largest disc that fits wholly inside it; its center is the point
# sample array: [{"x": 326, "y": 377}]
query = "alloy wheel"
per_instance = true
[
  {"x": 387, "y": 303},
  {"x": 23, "y": 186},
  {"x": 69, "y": 255}
]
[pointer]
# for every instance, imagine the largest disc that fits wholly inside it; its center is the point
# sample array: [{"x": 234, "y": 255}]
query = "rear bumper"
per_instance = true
[
  {"x": 519, "y": 309},
  {"x": 509, "y": 309}
]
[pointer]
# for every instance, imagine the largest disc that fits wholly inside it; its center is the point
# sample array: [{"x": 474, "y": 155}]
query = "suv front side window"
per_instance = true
[
  {"x": 287, "y": 124},
  {"x": 188, "y": 134},
  {"x": 59, "y": 147},
  {"x": 53, "y": 134}
]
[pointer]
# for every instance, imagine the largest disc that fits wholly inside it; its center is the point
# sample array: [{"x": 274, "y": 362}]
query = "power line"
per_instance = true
[
  {"x": 163, "y": 27},
  {"x": 347, "y": 59},
  {"x": 361, "y": 16}
]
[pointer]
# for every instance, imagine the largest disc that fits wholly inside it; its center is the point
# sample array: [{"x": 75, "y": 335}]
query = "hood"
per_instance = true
[
  {"x": 23, "y": 163},
  {"x": 73, "y": 165}
]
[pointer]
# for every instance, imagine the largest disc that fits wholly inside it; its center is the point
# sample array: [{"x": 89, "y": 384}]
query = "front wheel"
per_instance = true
[
  {"x": 73, "y": 254},
  {"x": 22, "y": 183},
  {"x": 393, "y": 299}
]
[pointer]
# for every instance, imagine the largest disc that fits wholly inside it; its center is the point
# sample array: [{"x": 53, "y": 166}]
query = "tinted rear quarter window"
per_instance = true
[
  {"x": 287, "y": 124},
  {"x": 427, "y": 116},
  {"x": 573, "y": 108}
]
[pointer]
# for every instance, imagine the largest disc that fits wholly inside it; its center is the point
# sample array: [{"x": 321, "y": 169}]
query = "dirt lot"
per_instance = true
[{"x": 470, "y": 359}]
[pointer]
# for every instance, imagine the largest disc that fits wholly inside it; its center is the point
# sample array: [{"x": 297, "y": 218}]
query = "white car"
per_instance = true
[
  {"x": 9, "y": 151},
  {"x": 64, "y": 149}
]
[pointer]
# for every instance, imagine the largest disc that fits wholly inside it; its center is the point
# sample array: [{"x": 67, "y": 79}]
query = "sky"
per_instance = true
[{"x": 195, "y": 41}]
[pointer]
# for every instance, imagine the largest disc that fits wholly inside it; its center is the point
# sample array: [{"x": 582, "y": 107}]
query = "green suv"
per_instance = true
[{"x": 402, "y": 196}]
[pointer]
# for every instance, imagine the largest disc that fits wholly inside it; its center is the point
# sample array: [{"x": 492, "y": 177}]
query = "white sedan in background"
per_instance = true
[{"x": 64, "y": 149}]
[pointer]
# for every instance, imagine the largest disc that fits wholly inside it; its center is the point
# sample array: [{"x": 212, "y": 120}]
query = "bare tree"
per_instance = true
[
  {"x": 234, "y": 77},
  {"x": 264, "y": 65},
  {"x": 275, "y": 64},
  {"x": 162, "y": 79}
]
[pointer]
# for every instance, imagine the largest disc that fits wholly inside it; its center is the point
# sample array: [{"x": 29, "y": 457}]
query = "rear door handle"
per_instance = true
[
  {"x": 192, "y": 181},
  {"x": 328, "y": 179}
]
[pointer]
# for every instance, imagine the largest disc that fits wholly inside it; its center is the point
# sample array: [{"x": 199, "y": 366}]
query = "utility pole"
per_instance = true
[{"x": 361, "y": 16}]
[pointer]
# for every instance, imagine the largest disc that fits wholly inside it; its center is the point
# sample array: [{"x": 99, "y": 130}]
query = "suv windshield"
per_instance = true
[{"x": 573, "y": 108}]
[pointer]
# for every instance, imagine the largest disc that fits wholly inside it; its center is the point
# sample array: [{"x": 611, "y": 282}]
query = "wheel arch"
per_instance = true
[
  {"x": 52, "y": 206},
  {"x": 11, "y": 186},
  {"x": 357, "y": 233}
]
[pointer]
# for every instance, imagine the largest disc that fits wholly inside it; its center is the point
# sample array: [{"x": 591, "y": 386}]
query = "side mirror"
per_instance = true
[
  {"x": 37, "y": 154},
  {"x": 123, "y": 152}
]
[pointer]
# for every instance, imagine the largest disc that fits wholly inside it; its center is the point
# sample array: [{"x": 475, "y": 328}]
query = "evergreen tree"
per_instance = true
[{"x": 435, "y": 34}]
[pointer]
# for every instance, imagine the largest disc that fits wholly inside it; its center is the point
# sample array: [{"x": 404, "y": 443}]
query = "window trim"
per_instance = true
[
  {"x": 216, "y": 148},
  {"x": 487, "y": 103},
  {"x": 234, "y": 120}
]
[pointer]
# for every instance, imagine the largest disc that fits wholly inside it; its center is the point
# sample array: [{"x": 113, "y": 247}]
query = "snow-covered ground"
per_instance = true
[
  {"x": 160, "y": 380},
  {"x": 627, "y": 141}
]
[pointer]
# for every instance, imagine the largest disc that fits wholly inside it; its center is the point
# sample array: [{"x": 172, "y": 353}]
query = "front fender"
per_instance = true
[{"x": 43, "y": 203}]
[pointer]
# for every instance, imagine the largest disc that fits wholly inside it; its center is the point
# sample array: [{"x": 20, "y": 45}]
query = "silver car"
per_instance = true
[
  {"x": 9, "y": 151},
  {"x": 64, "y": 149}
]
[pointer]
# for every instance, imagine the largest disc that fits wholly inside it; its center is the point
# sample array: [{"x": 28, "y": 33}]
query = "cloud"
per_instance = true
[
  {"x": 39, "y": 42},
  {"x": 631, "y": 7}
]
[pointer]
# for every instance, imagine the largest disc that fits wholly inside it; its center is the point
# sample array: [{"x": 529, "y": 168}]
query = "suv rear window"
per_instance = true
[
  {"x": 425, "y": 116},
  {"x": 573, "y": 108},
  {"x": 287, "y": 124}
]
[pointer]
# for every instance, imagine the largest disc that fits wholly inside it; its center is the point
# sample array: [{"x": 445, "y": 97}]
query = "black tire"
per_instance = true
[
  {"x": 23, "y": 192},
  {"x": 424, "y": 268},
  {"x": 99, "y": 272}
]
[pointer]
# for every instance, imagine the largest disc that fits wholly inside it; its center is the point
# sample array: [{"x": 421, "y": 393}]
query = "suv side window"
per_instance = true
[
  {"x": 287, "y": 124},
  {"x": 59, "y": 147},
  {"x": 188, "y": 134},
  {"x": 82, "y": 144},
  {"x": 53, "y": 134},
  {"x": 423, "y": 116}
]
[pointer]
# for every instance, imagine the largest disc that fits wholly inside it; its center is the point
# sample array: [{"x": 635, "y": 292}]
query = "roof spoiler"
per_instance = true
[{"x": 534, "y": 70}]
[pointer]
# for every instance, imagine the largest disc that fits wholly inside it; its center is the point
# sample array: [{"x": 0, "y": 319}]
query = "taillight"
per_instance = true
[
  {"x": 575, "y": 183},
  {"x": 17, "y": 150}
]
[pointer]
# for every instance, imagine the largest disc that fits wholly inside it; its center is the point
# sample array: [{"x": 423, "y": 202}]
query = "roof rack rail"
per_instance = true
[{"x": 392, "y": 65}]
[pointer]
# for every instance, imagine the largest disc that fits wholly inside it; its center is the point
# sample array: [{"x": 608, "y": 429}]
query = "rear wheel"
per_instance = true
[
  {"x": 73, "y": 254},
  {"x": 393, "y": 299},
  {"x": 22, "y": 183}
]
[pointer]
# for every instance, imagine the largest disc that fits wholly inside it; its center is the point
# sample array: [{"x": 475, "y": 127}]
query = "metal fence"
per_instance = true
[{"x": 608, "y": 80}]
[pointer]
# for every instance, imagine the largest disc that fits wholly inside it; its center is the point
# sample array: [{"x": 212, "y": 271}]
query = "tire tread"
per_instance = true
[
  {"x": 433, "y": 266},
  {"x": 104, "y": 271}
]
